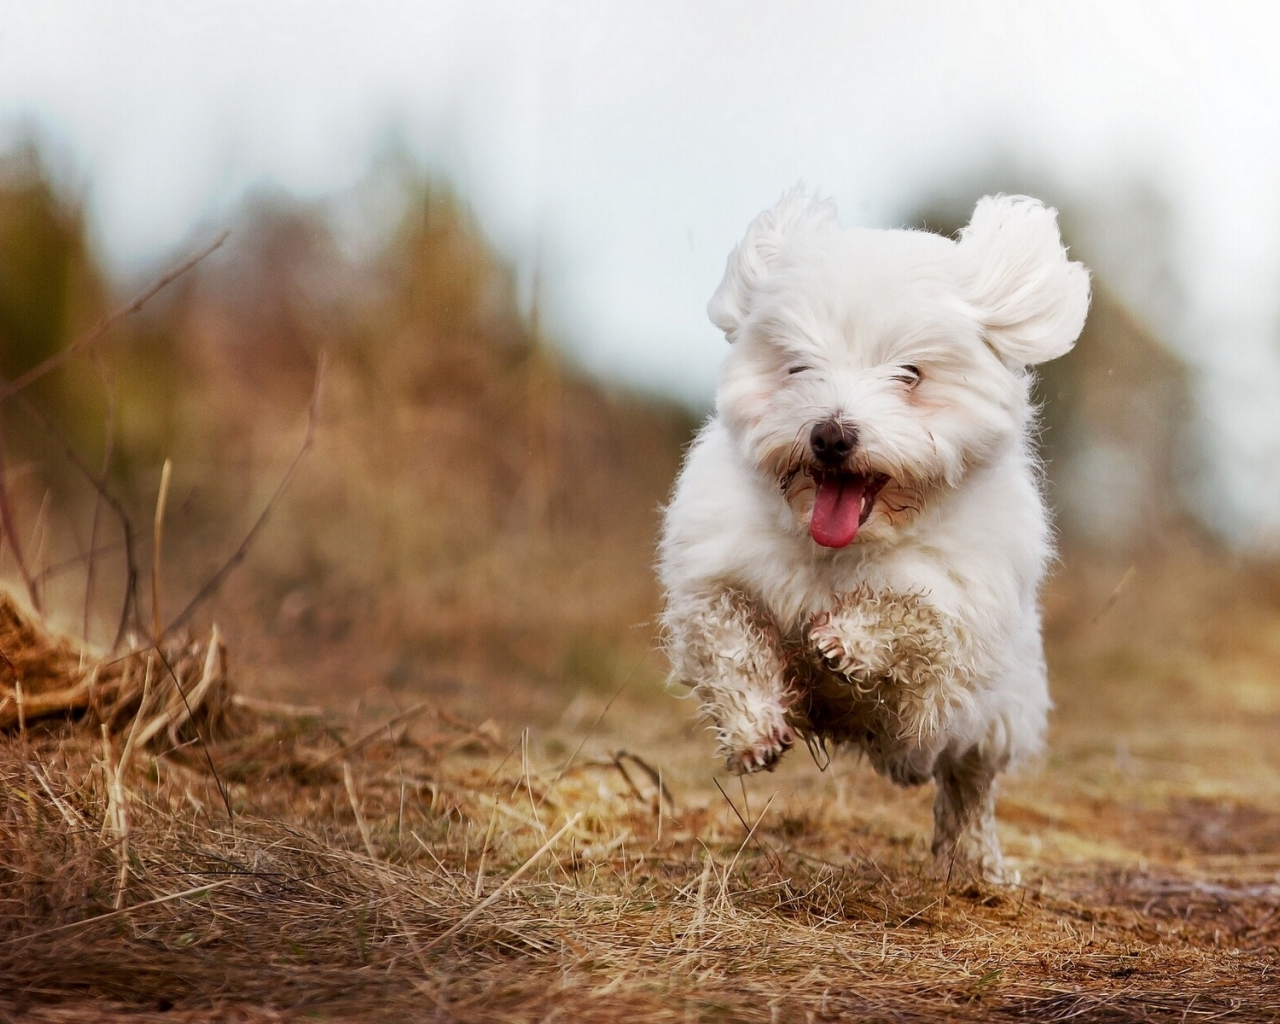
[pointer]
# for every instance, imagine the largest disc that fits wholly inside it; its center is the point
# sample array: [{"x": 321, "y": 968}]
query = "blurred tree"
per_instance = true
[
  {"x": 50, "y": 286},
  {"x": 1112, "y": 410}
]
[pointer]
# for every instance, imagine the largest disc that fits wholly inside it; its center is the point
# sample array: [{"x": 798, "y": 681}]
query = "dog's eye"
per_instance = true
[
  {"x": 909, "y": 375},
  {"x": 797, "y": 369}
]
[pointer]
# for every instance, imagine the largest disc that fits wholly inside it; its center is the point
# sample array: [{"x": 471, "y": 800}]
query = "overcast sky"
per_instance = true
[{"x": 623, "y": 148}]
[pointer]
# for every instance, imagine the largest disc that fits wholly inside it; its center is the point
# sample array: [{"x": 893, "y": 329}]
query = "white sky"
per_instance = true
[{"x": 626, "y": 147}]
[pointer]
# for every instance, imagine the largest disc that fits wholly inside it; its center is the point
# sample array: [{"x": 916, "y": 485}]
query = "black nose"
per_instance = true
[{"x": 831, "y": 442}]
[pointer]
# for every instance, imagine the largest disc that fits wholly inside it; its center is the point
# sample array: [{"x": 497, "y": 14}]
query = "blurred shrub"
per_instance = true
[
  {"x": 1113, "y": 409},
  {"x": 471, "y": 500},
  {"x": 49, "y": 284}
]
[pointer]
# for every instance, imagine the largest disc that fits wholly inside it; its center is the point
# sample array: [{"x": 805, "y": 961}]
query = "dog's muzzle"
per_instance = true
[
  {"x": 844, "y": 497},
  {"x": 832, "y": 442}
]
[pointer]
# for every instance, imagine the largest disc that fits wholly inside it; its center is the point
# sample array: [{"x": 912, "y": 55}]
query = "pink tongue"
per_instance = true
[{"x": 836, "y": 510}]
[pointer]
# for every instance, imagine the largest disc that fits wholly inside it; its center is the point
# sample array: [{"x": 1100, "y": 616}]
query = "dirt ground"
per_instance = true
[
  {"x": 438, "y": 778},
  {"x": 490, "y": 857}
]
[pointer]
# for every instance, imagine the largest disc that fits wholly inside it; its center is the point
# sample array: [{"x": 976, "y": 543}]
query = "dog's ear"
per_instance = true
[
  {"x": 750, "y": 263},
  {"x": 1030, "y": 299}
]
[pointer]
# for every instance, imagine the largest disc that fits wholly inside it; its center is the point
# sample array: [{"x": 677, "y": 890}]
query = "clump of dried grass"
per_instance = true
[
  {"x": 167, "y": 696},
  {"x": 428, "y": 868}
]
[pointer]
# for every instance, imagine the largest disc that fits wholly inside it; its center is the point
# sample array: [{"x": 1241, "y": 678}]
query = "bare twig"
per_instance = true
[
  {"x": 586, "y": 735},
  {"x": 764, "y": 848},
  {"x": 130, "y": 606},
  {"x": 8, "y": 389},
  {"x": 11, "y": 530},
  {"x": 351, "y": 748},
  {"x": 505, "y": 759},
  {"x": 177, "y": 683},
  {"x": 215, "y": 583},
  {"x": 1120, "y": 587},
  {"x": 654, "y": 775},
  {"x": 928, "y": 906},
  {"x": 157, "y": 534},
  {"x": 50, "y": 572},
  {"x": 108, "y": 450},
  {"x": 95, "y": 333},
  {"x": 750, "y": 835}
]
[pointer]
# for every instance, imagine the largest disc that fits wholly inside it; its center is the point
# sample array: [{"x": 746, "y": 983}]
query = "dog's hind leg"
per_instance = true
[
  {"x": 964, "y": 818},
  {"x": 730, "y": 653}
]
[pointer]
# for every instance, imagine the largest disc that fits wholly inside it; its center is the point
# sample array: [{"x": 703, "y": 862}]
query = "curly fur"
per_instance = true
[
  {"x": 918, "y": 641},
  {"x": 899, "y": 651},
  {"x": 731, "y": 654}
]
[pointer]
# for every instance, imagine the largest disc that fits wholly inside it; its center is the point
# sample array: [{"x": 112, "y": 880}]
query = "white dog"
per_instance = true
[{"x": 856, "y": 542}]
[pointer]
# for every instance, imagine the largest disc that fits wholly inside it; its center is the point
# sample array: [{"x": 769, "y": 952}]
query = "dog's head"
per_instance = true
[{"x": 870, "y": 368}]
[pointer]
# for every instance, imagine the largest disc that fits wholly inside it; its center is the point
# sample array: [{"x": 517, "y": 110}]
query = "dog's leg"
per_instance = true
[
  {"x": 855, "y": 639},
  {"x": 964, "y": 819},
  {"x": 731, "y": 655},
  {"x": 900, "y": 651}
]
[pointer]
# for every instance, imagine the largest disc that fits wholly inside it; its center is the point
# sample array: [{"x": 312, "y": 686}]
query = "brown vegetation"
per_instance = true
[
  {"x": 434, "y": 776},
  {"x": 357, "y": 878}
]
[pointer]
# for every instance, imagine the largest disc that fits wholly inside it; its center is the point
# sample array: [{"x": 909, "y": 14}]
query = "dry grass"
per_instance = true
[
  {"x": 465, "y": 557},
  {"x": 172, "y": 696},
  {"x": 472, "y": 502},
  {"x": 379, "y": 878}
]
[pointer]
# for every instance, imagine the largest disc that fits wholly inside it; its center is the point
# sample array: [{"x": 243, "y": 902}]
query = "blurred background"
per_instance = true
[{"x": 501, "y": 222}]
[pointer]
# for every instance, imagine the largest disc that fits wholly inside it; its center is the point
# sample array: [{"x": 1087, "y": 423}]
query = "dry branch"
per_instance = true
[
  {"x": 129, "y": 607},
  {"x": 214, "y": 652},
  {"x": 157, "y": 537},
  {"x": 108, "y": 451},
  {"x": 215, "y": 582},
  {"x": 95, "y": 333},
  {"x": 10, "y": 528}
]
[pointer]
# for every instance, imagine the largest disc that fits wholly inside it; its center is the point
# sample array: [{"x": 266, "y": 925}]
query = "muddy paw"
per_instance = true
[
  {"x": 841, "y": 652},
  {"x": 974, "y": 856},
  {"x": 763, "y": 754},
  {"x": 992, "y": 871}
]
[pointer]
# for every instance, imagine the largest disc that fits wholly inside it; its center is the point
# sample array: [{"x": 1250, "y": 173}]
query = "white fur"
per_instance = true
[{"x": 961, "y": 526}]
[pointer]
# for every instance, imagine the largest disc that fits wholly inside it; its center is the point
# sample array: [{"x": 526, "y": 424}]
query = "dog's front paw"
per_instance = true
[
  {"x": 762, "y": 752},
  {"x": 828, "y": 646},
  {"x": 844, "y": 649}
]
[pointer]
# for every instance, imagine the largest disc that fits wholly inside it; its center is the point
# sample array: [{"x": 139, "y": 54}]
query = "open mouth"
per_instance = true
[{"x": 842, "y": 505}]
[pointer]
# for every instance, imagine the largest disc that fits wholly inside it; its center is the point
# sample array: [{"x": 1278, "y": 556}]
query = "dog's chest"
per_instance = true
[{"x": 792, "y": 585}]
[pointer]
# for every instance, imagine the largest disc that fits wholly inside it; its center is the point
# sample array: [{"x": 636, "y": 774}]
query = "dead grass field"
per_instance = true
[
  {"x": 419, "y": 865},
  {"x": 425, "y": 783}
]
